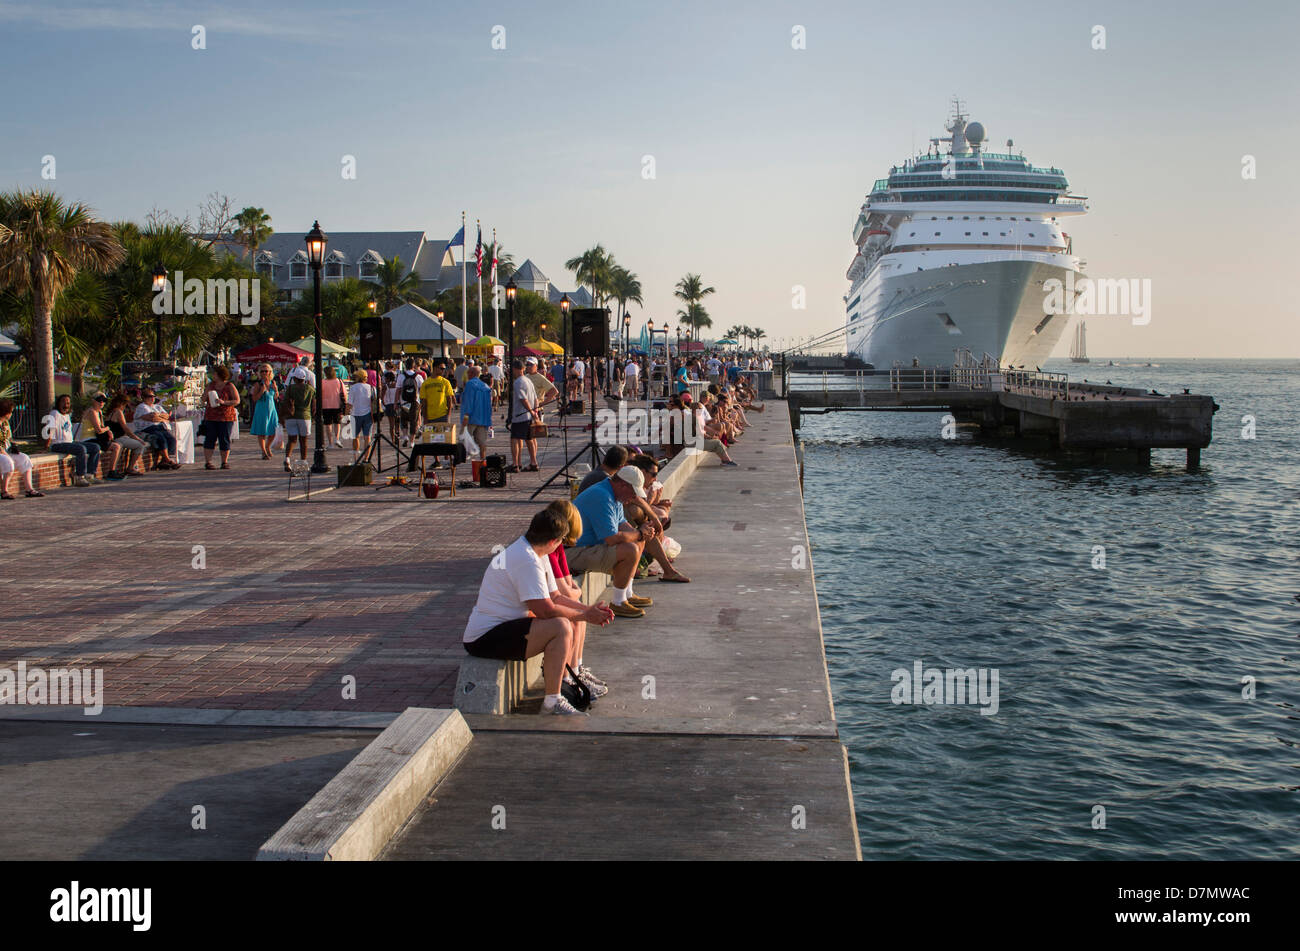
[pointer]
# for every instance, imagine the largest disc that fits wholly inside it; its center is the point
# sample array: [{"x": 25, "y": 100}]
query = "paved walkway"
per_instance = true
[{"x": 293, "y": 597}]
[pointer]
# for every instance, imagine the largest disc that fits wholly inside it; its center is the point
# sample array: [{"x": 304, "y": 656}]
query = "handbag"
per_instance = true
[{"x": 577, "y": 693}]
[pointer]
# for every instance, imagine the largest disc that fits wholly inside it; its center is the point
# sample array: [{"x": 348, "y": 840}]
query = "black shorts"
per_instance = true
[
  {"x": 522, "y": 430},
  {"x": 507, "y": 641},
  {"x": 329, "y": 416}
]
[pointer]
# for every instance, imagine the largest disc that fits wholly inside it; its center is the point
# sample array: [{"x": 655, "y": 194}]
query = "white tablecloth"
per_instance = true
[{"x": 183, "y": 430}]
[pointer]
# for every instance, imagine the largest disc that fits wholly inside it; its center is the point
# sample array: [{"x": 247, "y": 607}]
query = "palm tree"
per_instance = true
[
  {"x": 254, "y": 228},
  {"x": 695, "y": 316},
  {"x": 624, "y": 287},
  {"x": 44, "y": 244},
  {"x": 505, "y": 262},
  {"x": 758, "y": 334},
  {"x": 395, "y": 284},
  {"x": 692, "y": 290},
  {"x": 734, "y": 332},
  {"x": 593, "y": 268}
]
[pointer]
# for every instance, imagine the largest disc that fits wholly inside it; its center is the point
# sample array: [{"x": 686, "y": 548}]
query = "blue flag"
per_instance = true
[{"x": 459, "y": 240}]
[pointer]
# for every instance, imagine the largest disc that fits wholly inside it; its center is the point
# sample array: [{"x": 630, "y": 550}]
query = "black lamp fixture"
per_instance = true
[
  {"x": 442, "y": 333},
  {"x": 316, "y": 242},
  {"x": 159, "y": 285},
  {"x": 650, "y": 325},
  {"x": 373, "y": 305}
]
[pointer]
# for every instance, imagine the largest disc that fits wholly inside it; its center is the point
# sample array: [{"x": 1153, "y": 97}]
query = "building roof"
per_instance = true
[
  {"x": 412, "y": 323},
  {"x": 529, "y": 273},
  {"x": 579, "y": 298}
]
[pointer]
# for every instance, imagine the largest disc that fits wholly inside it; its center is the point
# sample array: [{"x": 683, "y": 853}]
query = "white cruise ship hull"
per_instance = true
[{"x": 993, "y": 307}]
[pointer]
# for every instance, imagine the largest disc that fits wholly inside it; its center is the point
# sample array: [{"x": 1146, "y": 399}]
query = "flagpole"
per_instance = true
[
  {"x": 496, "y": 304},
  {"x": 464, "y": 288},
  {"x": 478, "y": 269}
]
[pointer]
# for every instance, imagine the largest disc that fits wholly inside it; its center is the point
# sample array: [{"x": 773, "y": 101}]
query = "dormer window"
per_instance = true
[
  {"x": 368, "y": 266},
  {"x": 298, "y": 267},
  {"x": 266, "y": 265},
  {"x": 334, "y": 265}
]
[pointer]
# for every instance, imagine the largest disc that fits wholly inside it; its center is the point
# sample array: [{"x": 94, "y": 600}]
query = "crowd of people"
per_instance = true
[{"x": 406, "y": 394}]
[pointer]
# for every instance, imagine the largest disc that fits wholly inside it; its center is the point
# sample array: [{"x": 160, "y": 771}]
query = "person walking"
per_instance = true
[
  {"x": 524, "y": 401},
  {"x": 333, "y": 402},
  {"x": 220, "y": 406},
  {"x": 361, "y": 399},
  {"x": 266, "y": 418},
  {"x": 297, "y": 424}
]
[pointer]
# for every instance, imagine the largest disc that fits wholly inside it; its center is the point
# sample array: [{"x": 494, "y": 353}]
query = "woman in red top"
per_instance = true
[
  {"x": 220, "y": 404},
  {"x": 569, "y": 588}
]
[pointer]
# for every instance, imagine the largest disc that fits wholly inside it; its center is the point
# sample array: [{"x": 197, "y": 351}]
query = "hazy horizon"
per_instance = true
[{"x": 763, "y": 153}]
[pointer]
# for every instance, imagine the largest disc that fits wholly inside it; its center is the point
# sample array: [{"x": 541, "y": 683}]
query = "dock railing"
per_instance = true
[{"x": 1038, "y": 383}]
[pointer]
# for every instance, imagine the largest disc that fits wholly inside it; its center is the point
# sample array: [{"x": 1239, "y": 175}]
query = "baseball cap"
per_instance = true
[
  {"x": 532, "y": 360},
  {"x": 633, "y": 477},
  {"x": 297, "y": 373}
]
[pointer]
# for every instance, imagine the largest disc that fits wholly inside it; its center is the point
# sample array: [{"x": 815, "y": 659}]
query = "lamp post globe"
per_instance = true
[
  {"x": 159, "y": 286},
  {"x": 316, "y": 241}
]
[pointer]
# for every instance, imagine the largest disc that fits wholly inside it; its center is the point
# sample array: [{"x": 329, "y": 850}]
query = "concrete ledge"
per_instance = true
[
  {"x": 196, "y": 716},
  {"x": 360, "y": 809},
  {"x": 494, "y": 686}
]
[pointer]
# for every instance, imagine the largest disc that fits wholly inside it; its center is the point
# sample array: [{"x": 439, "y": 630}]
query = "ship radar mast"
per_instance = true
[{"x": 962, "y": 137}]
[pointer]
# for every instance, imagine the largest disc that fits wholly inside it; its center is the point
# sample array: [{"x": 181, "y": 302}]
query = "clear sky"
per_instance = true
[{"x": 762, "y": 152}]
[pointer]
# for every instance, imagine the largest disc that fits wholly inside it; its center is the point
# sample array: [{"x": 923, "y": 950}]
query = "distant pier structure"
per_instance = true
[{"x": 1005, "y": 401}]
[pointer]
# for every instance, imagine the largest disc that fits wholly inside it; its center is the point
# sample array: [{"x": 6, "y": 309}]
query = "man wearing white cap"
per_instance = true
[
  {"x": 608, "y": 542},
  {"x": 546, "y": 391}
]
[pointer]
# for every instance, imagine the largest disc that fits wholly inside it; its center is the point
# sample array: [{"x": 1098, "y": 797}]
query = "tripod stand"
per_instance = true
[
  {"x": 589, "y": 445},
  {"x": 376, "y": 450}
]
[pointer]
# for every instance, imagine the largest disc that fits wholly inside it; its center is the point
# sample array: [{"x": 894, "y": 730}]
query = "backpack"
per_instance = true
[{"x": 409, "y": 389}]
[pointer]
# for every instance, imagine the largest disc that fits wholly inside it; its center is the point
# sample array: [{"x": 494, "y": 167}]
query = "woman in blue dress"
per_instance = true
[{"x": 266, "y": 393}]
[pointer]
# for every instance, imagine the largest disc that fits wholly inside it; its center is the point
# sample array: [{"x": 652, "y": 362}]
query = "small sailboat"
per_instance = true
[{"x": 1079, "y": 346}]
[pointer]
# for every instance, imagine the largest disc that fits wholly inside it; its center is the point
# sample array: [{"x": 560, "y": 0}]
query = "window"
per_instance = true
[
  {"x": 950, "y": 217},
  {"x": 369, "y": 264},
  {"x": 334, "y": 266},
  {"x": 912, "y": 235},
  {"x": 968, "y": 234},
  {"x": 986, "y": 234},
  {"x": 936, "y": 234},
  {"x": 298, "y": 267},
  {"x": 965, "y": 217}
]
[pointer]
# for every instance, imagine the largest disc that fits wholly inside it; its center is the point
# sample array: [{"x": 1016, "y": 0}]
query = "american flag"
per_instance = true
[{"x": 478, "y": 254}]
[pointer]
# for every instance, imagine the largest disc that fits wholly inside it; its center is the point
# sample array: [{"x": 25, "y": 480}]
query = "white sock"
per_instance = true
[
  {"x": 620, "y": 595},
  {"x": 551, "y": 700},
  {"x": 578, "y": 665}
]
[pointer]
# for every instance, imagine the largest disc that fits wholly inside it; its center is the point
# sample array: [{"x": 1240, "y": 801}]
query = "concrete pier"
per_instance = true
[
  {"x": 718, "y": 737},
  {"x": 1067, "y": 415}
]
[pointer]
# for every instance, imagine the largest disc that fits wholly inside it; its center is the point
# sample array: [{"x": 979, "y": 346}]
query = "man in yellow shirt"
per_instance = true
[{"x": 436, "y": 394}]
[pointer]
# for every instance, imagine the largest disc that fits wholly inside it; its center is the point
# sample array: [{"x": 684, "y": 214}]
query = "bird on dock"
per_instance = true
[
  {"x": 1154, "y": 393},
  {"x": 1108, "y": 383},
  {"x": 1186, "y": 392}
]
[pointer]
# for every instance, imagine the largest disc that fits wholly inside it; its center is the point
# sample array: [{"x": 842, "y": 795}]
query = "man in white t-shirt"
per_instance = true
[
  {"x": 523, "y": 414},
  {"x": 520, "y": 612},
  {"x": 631, "y": 375},
  {"x": 714, "y": 366}
]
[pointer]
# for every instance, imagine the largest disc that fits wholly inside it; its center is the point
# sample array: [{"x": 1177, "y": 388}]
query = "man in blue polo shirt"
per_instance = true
[
  {"x": 476, "y": 409},
  {"x": 608, "y": 543}
]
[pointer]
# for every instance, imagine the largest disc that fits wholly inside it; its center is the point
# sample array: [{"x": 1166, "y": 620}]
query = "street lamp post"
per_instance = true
[
  {"x": 159, "y": 285},
  {"x": 511, "y": 290},
  {"x": 442, "y": 334},
  {"x": 316, "y": 241},
  {"x": 650, "y": 324}
]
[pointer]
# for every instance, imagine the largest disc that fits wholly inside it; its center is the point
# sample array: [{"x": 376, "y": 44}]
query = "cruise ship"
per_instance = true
[{"x": 953, "y": 250}]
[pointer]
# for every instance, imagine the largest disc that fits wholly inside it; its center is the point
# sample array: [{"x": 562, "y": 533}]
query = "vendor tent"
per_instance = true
[
  {"x": 328, "y": 348},
  {"x": 280, "y": 353}
]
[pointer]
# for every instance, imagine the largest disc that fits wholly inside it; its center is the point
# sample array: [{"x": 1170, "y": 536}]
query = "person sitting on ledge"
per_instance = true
[
  {"x": 149, "y": 418},
  {"x": 11, "y": 459},
  {"x": 609, "y": 543},
  {"x": 85, "y": 453},
  {"x": 570, "y": 589},
  {"x": 704, "y": 438},
  {"x": 521, "y": 612},
  {"x": 615, "y": 459},
  {"x": 641, "y": 511}
]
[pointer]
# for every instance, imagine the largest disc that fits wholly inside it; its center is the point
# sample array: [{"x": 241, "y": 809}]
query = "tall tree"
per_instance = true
[
  {"x": 691, "y": 289},
  {"x": 396, "y": 284},
  {"x": 44, "y": 244},
  {"x": 624, "y": 287},
  {"x": 695, "y": 317},
  {"x": 254, "y": 228},
  {"x": 593, "y": 268},
  {"x": 505, "y": 262}
]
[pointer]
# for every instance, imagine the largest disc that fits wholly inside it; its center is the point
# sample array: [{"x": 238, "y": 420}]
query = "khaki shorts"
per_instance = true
[{"x": 592, "y": 558}]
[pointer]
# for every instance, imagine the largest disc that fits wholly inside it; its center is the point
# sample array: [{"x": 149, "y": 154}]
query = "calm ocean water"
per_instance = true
[{"x": 1118, "y": 687}]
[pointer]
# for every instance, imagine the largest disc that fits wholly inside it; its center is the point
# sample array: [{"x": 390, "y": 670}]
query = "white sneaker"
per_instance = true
[
  {"x": 586, "y": 674},
  {"x": 597, "y": 690},
  {"x": 563, "y": 708},
  {"x": 80, "y": 482}
]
